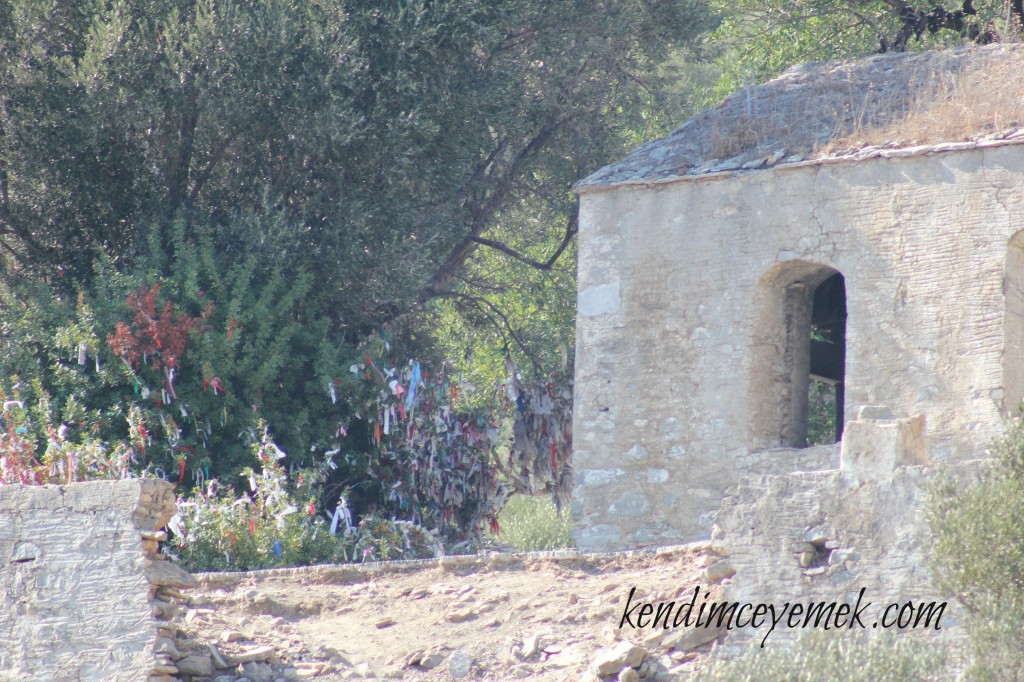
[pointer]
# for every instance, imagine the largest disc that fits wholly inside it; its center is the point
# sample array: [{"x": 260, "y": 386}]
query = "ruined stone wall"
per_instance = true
[
  {"x": 765, "y": 462},
  {"x": 813, "y": 537},
  {"x": 78, "y": 576},
  {"x": 674, "y": 281}
]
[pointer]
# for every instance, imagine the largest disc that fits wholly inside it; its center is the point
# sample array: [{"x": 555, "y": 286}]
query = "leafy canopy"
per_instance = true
[
  {"x": 289, "y": 187},
  {"x": 365, "y": 143}
]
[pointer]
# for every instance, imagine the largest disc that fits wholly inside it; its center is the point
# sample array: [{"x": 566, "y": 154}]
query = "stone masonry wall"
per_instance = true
[
  {"x": 674, "y": 283},
  {"x": 79, "y": 577},
  {"x": 822, "y": 536}
]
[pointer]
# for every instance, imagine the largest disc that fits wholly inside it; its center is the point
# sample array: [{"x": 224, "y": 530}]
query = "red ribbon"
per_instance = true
[{"x": 214, "y": 383}]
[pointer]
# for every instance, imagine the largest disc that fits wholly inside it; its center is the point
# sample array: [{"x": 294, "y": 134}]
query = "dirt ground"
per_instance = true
[{"x": 490, "y": 617}]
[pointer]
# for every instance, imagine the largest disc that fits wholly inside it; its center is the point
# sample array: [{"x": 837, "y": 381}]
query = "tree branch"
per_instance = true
[
  {"x": 571, "y": 228},
  {"x": 915, "y": 22},
  {"x": 9, "y": 249},
  {"x": 484, "y": 210},
  {"x": 215, "y": 158},
  {"x": 7, "y": 220},
  {"x": 181, "y": 160},
  {"x": 505, "y": 325}
]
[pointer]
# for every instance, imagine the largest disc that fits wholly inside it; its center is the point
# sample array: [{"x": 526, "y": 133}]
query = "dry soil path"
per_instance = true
[{"x": 493, "y": 617}]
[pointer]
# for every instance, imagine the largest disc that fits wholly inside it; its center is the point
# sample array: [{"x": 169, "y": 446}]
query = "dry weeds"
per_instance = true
[
  {"x": 842, "y": 113},
  {"x": 834, "y": 109},
  {"x": 978, "y": 100}
]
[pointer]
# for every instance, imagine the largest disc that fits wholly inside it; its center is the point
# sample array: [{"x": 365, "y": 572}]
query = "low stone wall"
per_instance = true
[
  {"x": 822, "y": 536},
  {"x": 80, "y": 581},
  {"x": 786, "y": 460}
]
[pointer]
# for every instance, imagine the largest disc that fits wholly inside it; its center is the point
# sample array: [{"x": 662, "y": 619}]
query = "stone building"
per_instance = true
[{"x": 854, "y": 227}]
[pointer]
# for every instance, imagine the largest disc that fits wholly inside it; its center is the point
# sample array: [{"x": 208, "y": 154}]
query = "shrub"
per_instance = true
[
  {"x": 63, "y": 417},
  {"x": 62, "y": 461},
  {"x": 532, "y": 524},
  {"x": 431, "y": 459},
  {"x": 979, "y": 557},
  {"x": 176, "y": 357},
  {"x": 277, "y": 525},
  {"x": 172, "y": 363},
  {"x": 834, "y": 656},
  {"x": 273, "y": 525},
  {"x": 388, "y": 540}
]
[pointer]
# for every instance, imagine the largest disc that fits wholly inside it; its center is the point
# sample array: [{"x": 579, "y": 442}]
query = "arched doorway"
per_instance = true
[{"x": 798, "y": 356}]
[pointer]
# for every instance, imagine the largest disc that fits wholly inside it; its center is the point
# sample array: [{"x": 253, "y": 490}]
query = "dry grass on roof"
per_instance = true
[
  {"x": 839, "y": 114},
  {"x": 979, "y": 100},
  {"x": 838, "y": 109}
]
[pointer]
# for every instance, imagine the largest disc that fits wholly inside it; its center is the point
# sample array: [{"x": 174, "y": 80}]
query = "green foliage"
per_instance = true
[
  {"x": 179, "y": 367},
  {"x": 821, "y": 413},
  {"x": 275, "y": 524},
  {"x": 367, "y": 143},
  {"x": 510, "y": 308},
  {"x": 264, "y": 353},
  {"x": 381, "y": 539},
  {"x": 532, "y": 524},
  {"x": 61, "y": 397},
  {"x": 758, "y": 39},
  {"x": 183, "y": 366},
  {"x": 517, "y": 295},
  {"x": 979, "y": 557},
  {"x": 61, "y": 461},
  {"x": 835, "y": 656},
  {"x": 283, "y": 186}
]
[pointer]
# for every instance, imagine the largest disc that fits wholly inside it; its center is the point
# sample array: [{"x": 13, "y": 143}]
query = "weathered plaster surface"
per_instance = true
[
  {"x": 74, "y": 593},
  {"x": 867, "y": 536}
]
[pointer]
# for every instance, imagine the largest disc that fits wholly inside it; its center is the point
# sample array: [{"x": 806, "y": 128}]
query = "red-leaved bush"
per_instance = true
[{"x": 158, "y": 336}]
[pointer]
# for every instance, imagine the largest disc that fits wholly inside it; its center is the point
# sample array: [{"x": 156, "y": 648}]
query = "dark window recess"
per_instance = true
[{"x": 828, "y": 358}]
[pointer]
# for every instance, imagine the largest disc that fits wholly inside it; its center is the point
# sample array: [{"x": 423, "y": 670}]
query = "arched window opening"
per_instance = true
[{"x": 798, "y": 356}]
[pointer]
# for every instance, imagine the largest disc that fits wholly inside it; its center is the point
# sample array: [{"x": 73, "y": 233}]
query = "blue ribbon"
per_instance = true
[{"x": 410, "y": 398}]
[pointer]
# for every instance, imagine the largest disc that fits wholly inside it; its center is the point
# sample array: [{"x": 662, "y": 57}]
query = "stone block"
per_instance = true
[
  {"x": 599, "y": 300},
  {"x": 612, "y": 660},
  {"x": 873, "y": 448},
  {"x": 196, "y": 665},
  {"x": 687, "y": 639},
  {"x": 164, "y": 573}
]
